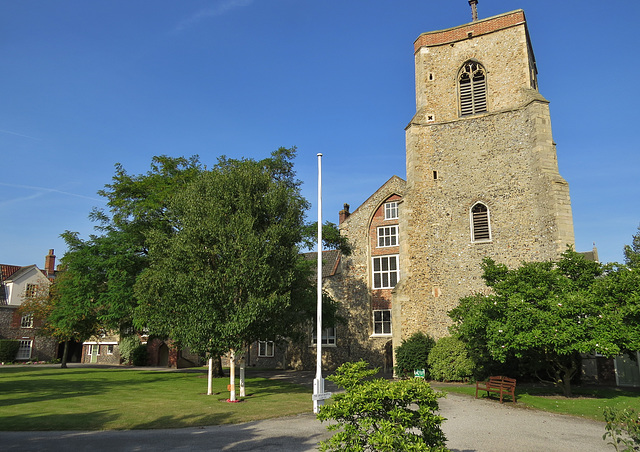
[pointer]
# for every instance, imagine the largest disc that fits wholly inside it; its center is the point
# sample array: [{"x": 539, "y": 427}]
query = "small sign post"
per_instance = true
[{"x": 418, "y": 373}]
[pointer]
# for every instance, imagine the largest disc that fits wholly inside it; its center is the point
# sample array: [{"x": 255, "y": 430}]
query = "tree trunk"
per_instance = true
[
  {"x": 565, "y": 372},
  {"x": 218, "y": 372},
  {"x": 65, "y": 352}
]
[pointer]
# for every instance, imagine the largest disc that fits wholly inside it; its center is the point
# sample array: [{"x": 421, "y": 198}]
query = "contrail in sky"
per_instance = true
[
  {"x": 43, "y": 190},
  {"x": 218, "y": 10},
  {"x": 18, "y": 134}
]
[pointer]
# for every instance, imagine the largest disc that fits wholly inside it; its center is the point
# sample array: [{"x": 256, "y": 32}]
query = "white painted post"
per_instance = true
[
  {"x": 232, "y": 376},
  {"x": 242, "y": 391},
  {"x": 318, "y": 382},
  {"x": 210, "y": 377}
]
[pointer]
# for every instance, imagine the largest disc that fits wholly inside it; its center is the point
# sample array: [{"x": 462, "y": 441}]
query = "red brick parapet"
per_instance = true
[{"x": 480, "y": 27}]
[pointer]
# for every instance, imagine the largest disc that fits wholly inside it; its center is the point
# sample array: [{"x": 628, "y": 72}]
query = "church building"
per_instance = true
[{"x": 482, "y": 181}]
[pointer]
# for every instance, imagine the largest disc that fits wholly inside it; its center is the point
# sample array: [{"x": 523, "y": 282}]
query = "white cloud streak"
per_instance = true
[
  {"x": 219, "y": 9},
  {"x": 41, "y": 191},
  {"x": 18, "y": 134}
]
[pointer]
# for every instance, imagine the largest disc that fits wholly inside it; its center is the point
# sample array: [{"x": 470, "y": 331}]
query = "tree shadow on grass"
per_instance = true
[{"x": 45, "y": 388}]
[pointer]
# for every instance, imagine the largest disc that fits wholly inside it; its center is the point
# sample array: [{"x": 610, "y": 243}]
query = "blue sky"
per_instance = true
[{"x": 86, "y": 84}]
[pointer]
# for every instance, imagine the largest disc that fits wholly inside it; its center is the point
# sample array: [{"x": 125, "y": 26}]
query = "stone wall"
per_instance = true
[{"x": 504, "y": 158}]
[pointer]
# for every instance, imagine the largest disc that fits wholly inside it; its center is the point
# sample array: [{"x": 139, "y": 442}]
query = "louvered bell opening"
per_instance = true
[
  {"x": 479, "y": 93},
  {"x": 466, "y": 96},
  {"x": 480, "y": 223}
]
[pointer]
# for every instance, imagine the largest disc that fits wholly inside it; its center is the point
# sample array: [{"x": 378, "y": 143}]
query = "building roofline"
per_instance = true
[{"x": 471, "y": 29}]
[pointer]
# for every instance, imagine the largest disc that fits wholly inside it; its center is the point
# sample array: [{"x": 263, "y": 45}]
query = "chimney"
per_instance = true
[
  {"x": 474, "y": 9},
  {"x": 343, "y": 214},
  {"x": 50, "y": 264}
]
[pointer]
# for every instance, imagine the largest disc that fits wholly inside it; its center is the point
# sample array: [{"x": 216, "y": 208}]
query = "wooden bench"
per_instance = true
[{"x": 500, "y": 385}]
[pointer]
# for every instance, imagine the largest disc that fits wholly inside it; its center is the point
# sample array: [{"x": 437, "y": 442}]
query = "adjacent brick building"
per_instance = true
[{"x": 16, "y": 284}]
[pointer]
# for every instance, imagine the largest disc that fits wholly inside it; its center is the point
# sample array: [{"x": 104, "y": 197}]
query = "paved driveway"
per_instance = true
[{"x": 472, "y": 426}]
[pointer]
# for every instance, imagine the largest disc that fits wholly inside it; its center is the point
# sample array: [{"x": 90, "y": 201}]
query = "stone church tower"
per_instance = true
[{"x": 482, "y": 173}]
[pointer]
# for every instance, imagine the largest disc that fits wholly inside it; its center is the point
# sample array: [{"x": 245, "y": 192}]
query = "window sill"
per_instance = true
[
  {"x": 481, "y": 241},
  {"x": 381, "y": 335},
  {"x": 324, "y": 346}
]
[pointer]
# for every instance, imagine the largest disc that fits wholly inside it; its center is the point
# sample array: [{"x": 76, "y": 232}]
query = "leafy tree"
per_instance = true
[
  {"x": 228, "y": 272},
  {"x": 331, "y": 238},
  {"x": 632, "y": 252},
  {"x": 546, "y": 313},
  {"x": 100, "y": 272},
  {"x": 382, "y": 415},
  {"x": 413, "y": 354}
]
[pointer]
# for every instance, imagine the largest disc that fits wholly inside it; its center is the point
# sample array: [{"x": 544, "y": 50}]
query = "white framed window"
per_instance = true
[
  {"x": 472, "y": 85},
  {"x": 390, "y": 210},
  {"x": 93, "y": 348},
  {"x": 386, "y": 272},
  {"x": 24, "y": 349},
  {"x": 328, "y": 336},
  {"x": 382, "y": 322},
  {"x": 480, "y": 224},
  {"x": 266, "y": 349},
  {"x": 387, "y": 236},
  {"x": 110, "y": 349},
  {"x": 26, "y": 321},
  {"x": 30, "y": 291}
]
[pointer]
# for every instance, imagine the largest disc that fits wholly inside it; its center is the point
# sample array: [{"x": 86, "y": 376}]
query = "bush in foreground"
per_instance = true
[
  {"x": 381, "y": 415},
  {"x": 449, "y": 360},
  {"x": 623, "y": 427},
  {"x": 8, "y": 350}
]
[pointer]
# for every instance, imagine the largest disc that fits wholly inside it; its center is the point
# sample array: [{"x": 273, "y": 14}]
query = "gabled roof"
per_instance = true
[
  {"x": 8, "y": 270},
  {"x": 23, "y": 271},
  {"x": 330, "y": 261},
  {"x": 389, "y": 187}
]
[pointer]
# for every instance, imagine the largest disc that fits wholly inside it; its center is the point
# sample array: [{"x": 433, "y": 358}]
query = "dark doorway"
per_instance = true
[
  {"x": 388, "y": 357},
  {"x": 163, "y": 355}
]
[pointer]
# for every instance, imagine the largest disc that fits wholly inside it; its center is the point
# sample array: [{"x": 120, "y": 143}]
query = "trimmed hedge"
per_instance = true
[
  {"x": 413, "y": 354},
  {"x": 449, "y": 360},
  {"x": 139, "y": 355},
  {"x": 8, "y": 350}
]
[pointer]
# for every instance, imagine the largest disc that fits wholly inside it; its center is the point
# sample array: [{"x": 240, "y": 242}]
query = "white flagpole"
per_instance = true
[{"x": 318, "y": 382}]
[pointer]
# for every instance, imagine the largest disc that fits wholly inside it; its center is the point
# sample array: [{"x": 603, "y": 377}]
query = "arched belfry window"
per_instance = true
[
  {"x": 472, "y": 83},
  {"x": 480, "y": 227}
]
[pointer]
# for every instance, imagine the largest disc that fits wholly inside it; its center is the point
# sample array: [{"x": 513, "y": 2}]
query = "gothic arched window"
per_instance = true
[
  {"x": 472, "y": 83},
  {"x": 480, "y": 227}
]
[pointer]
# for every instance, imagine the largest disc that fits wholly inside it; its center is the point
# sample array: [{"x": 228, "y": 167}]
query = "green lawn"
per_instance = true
[
  {"x": 586, "y": 402},
  {"x": 50, "y": 398}
]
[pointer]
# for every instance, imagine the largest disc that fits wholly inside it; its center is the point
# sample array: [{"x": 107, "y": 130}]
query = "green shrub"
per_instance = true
[
  {"x": 381, "y": 415},
  {"x": 139, "y": 355},
  {"x": 449, "y": 360},
  {"x": 623, "y": 426},
  {"x": 413, "y": 354},
  {"x": 126, "y": 346},
  {"x": 8, "y": 350}
]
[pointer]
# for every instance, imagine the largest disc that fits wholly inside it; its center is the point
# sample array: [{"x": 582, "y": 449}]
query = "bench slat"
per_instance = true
[{"x": 498, "y": 384}]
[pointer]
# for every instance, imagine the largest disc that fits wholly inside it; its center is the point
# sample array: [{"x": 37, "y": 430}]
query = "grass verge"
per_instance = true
[
  {"x": 48, "y": 398},
  {"x": 587, "y": 402}
]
